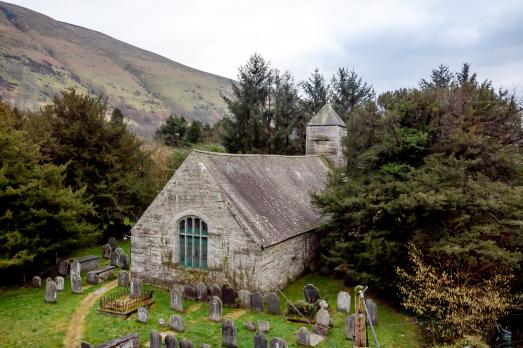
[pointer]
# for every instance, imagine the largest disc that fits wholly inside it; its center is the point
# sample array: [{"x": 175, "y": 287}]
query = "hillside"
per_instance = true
[{"x": 40, "y": 56}]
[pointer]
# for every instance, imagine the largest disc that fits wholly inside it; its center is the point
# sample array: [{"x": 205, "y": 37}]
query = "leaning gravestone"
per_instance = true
[
  {"x": 50, "y": 291},
  {"x": 170, "y": 341},
  {"x": 257, "y": 302},
  {"x": 176, "y": 323},
  {"x": 322, "y": 325},
  {"x": 63, "y": 268},
  {"x": 142, "y": 315},
  {"x": 106, "y": 251},
  {"x": 201, "y": 291},
  {"x": 303, "y": 337},
  {"x": 136, "y": 288},
  {"x": 277, "y": 342},
  {"x": 177, "y": 300},
  {"x": 215, "y": 290},
  {"x": 215, "y": 309},
  {"x": 186, "y": 343},
  {"x": 260, "y": 341},
  {"x": 273, "y": 304},
  {"x": 312, "y": 294},
  {"x": 244, "y": 298},
  {"x": 263, "y": 326},
  {"x": 123, "y": 278},
  {"x": 76, "y": 284},
  {"x": 228, "y": 296},
  {"x": 229, "y": 334},
  {"x": 155, "y": 339},
  {"x": 75, "y": 268},
  {"x": 36, "y": 282},
  {"x": 349, "y": 327},
  {"x": 112, "y": 243},
  {"x": 343, "y": 302},
  {"x": 123, "y": 261},
  {"x": 59, "y": 283},
  {"x": 189, "y": 292},
  {"x": 372, "y": 311}
]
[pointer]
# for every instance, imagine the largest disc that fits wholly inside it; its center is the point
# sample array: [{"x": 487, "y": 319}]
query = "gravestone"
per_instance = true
[
  {"x": 106, "y": 251},
  {"x": 63, "y": 268},
  {"x": 189, "y": 292},
  {"x": 372, "y": 311},
  {"x": 244, "y": 298},
  {"x": 50, "y": 291},
  {"x": 277, "y": 342},
  {"x": 229, "y": 334},
  {"x": 170, "y": 341},
  {"x": 85, "y": 345},
  {"x": 215, "y": 309},
  {"x": 119, "y": 252},
  {"x": 186, "y": 343},
  {"x": 36, "y": 282},
  {"x": 92, "y": 277},
  {"x": 303, "y": 337},
  {"x": 75, "y": 268},
  {"x": 123, "y": 261},
  {"x": 323, "y": 304},
  {"x": 215, "y": 290},
  {"x": 112, "y": 243},
  {"x": 228, "y": 296},
  {"x": 142, "y": 315},
  {"x": 123, "y": 278},
  {"x": 162, "y": 322},
  {"x": 257, "y": 302},
  {"x": 177, "y": 300},
  {"x": 249, "y": 325},
  {"x": 322, "y": 325},
  {"x": 311, "y": 293},
  {"x": 76, "y": 283},
  {"x": 60, "y": 283},
  {"x": 260, "y": 341},
  {"x": 136, "y": 288},
  {"x": 263, "y": 326},
  {"x": 176, "y": 323},
  {"x": 155, "y": 339},
  {"x": 343, "y": 302},
  {"x": 273, "y": 304},
  {"x": 201, "y": 291},
  {"x": 349, "y": 327},
  {"x": 114, "y": 258},
  {"x": 205, "y": 345}
]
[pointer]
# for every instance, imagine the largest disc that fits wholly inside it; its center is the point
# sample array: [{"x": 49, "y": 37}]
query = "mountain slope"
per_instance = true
[{"x": 40, "y": 56}]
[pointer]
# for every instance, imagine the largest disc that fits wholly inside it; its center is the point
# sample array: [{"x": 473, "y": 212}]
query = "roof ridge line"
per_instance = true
[{"x": 251, "y": 154}]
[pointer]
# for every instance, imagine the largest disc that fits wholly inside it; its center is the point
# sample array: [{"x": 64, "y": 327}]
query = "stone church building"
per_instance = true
[{"x": 245, "y": 220}]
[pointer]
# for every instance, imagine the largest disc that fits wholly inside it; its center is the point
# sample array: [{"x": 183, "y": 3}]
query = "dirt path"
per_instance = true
[{"x": 73, "y": 336}]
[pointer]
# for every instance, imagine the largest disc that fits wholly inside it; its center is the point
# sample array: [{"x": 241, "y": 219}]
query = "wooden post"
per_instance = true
[{"x": 360, "y": 331}]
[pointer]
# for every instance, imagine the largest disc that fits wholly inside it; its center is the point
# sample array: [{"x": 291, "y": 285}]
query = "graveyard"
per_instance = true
[{"x": 29, "y": 320}]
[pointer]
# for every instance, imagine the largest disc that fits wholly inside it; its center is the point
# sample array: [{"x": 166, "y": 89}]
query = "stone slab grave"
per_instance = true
[
  {"x": 60, "y": 283},
  {"x": 131, "y": 340},
  {"x": 260, "y": 341},
  {"x": 120, "y": 304},
  {"x": 100, "y": 275},
  {"x": 229, "y": 334},
  {"x": 88, "y": 263}
]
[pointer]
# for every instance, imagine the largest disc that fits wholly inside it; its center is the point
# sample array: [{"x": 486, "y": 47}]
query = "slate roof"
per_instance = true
[
  {"x": 270, "y": 193},
  {"x": 327, "y": 116}
]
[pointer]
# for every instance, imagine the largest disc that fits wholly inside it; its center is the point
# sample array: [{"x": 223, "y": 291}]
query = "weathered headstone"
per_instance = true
[
  {"x": 142, "y": 315},
  {"x": 155, "y": 339},
  {"x": 215, "y": 309},
  {"x": 136, "y": 288},
  {"x": 119, "y": 252},
  {"x": 123, "y": 278},
  {"x": 349, "y": 327},
  {"x": 59, "y": 283},
  {"x": 257, "y": 302},
  {"x": 106, "y": 251},
  {"x": 201, "y": 292},
  {"x": 215, "y": 290},
  {"x": 249, "y": 325},
  {"x": 277, "y": 342},
  {"x": 50, "y": 291},
  {"x": 76, "y": 283},
  {"x": 229, "y": 334},
  {"x": 123, "y": 261},
  {"x": 36, "y": 282},
  {"x": 189, "y": 292},
  {"x": 228, "y": 296},
  {"x": 343, "y": 302},
  {"x": 92, "y": 277},
  {"x": 263, "y": 326},
  {"x": 311, "y": 293},
  {"x": 322, "y": 325},
  {"x": 112, "y": 243},
  {"x": 177, "y": 300},
  {"x": 260, "y": 341},
  {"x": 63, "y": 268},
  {"x": 176, "y": 323},
  {"x": 303, "y": 337},
  {"x": 75, "y": 268},
  {"x": 114, "y": 258},
  {"x": 186, "y": 343},
  {"x": 170, "y": 341},
  {"x": 273, "y": 304},
  {"x": 244, "y": 298},
  {"x": 372, "y": 311}
]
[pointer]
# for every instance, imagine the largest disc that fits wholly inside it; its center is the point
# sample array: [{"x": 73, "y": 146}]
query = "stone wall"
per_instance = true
[{"x": 327, "y": 141}]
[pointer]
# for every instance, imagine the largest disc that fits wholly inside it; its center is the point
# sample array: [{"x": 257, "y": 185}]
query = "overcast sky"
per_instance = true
[{"x": 391, "y": 44}]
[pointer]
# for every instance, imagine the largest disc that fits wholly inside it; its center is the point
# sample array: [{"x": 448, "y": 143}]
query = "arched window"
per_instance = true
[{"x": 193, "y": 235}]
